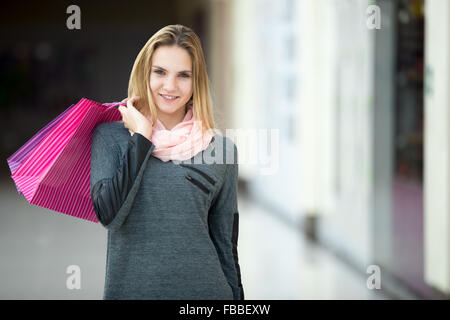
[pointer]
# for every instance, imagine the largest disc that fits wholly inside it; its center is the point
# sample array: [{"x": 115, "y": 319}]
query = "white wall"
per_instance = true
[
  {"x": 243, "y": 90},
  {"x": 437, "y": 165},
  {"x": 265, "y": 100},
  {"x": 336, "y": 98},
  {"x": 326, "y": 165}
]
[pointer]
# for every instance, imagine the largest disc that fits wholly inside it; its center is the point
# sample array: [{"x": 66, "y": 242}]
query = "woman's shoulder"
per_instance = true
[
  {"x": 111, "y": 131},
  {"x": 110, "y": 127}
]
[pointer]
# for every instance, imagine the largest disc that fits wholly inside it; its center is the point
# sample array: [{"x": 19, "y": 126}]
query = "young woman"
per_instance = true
[{"x": 172, "y": 222}]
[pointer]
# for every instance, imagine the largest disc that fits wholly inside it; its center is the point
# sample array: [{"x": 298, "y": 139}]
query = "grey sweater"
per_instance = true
[{"x": 172, "y": 227}]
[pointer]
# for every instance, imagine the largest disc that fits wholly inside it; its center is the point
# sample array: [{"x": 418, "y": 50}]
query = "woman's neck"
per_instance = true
[{"x": 171, "y": 120}]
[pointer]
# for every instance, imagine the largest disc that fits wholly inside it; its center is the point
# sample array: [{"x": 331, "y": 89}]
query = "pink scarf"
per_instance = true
[{"x": 182, "y": 142}]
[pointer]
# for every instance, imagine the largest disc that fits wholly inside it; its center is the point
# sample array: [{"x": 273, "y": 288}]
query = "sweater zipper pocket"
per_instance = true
[
  {"x": 197, "y": 183},
  {"x": 204, "y": 175}
]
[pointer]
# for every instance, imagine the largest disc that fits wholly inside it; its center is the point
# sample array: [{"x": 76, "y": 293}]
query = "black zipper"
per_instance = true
[
  {"x": 197, "y": 183},
  {"x": 210, "y": 180}
]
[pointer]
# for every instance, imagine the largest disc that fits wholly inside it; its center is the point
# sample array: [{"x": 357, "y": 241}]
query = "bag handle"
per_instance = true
[{"x": 115, "y": 104}]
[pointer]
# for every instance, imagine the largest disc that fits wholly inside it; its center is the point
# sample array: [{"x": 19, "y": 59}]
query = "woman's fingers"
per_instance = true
[
  {"x": 131, "y": 101},
  {"x": 122, "y": 111},
  {"x": 128, "y": 114}
]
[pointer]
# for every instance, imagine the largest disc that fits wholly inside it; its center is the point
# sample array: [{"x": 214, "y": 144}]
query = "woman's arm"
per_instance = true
[
  {"x": 223, "y": 220},
  {"x": 114, "y": 184}
]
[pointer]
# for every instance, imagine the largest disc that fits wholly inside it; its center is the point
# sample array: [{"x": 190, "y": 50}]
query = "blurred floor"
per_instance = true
[
  {"x": 37, "y": 246},
  {"x": 278, "y": 262}
]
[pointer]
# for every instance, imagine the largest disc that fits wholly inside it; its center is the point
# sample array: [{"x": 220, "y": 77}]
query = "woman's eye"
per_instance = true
[{"x": 184, "y": 75}]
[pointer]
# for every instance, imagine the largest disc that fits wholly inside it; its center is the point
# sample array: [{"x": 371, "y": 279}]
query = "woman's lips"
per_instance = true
[{"x": 168, "y": 100}]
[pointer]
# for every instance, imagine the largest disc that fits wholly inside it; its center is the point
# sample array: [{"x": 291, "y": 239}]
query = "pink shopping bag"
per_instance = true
[
  {"x": 20, "y": 155},
  {"x": 56, "y": 173}
]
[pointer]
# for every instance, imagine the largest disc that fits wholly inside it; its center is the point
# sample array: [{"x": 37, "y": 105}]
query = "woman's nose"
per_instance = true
[{"x": 170, "y": 84}]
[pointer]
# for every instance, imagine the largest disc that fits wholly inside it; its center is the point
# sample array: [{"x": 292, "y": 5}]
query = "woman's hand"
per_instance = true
[{"x": 135, "y": 121}]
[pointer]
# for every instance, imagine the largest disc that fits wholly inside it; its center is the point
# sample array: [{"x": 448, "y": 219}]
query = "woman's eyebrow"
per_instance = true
[{"x": 189, "y": 71}]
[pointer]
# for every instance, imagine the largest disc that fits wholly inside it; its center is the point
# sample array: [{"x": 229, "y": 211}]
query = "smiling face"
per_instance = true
[{"x": 171, "y": 80}]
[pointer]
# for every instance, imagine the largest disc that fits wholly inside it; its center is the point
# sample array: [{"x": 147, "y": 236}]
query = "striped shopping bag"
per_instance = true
[
  {"x": 52, "y": 170},
  {"x": 20, "y": 155}
]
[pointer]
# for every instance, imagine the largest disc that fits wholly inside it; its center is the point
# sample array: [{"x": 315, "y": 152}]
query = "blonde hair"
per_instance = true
[{"x": 139, "y": 83}]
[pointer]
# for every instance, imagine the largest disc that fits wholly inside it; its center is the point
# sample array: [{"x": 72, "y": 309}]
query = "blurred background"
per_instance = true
[{"x": 360, "y": 170}]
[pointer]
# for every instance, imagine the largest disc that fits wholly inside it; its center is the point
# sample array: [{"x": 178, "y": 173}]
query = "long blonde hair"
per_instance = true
[{"x": 139, "y": 83}]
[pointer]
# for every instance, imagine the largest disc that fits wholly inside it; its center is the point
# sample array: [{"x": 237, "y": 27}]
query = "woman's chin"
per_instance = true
[{"x": 169, "y": 109}]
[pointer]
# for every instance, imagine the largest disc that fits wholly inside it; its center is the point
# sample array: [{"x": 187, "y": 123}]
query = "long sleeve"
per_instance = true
[
  {"x": 115, "y": 181},
  {"x": 224, "y": 228}
]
